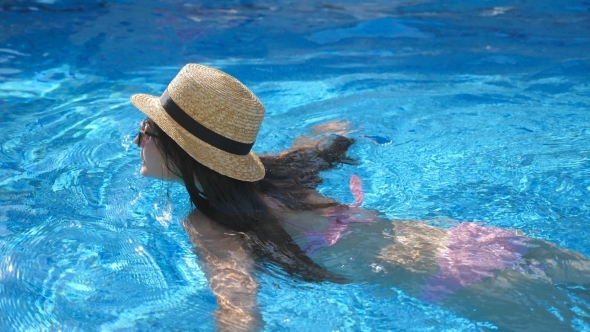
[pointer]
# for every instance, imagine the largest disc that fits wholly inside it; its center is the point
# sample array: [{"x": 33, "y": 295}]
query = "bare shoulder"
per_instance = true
[{"x": 207, "y": 234}]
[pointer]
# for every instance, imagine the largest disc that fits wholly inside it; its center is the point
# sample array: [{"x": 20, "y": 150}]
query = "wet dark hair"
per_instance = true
[{"x": 237, "y": 205}]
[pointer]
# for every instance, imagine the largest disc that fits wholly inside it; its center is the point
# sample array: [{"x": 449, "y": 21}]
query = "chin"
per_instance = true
[{"x": 145, "y": 173}]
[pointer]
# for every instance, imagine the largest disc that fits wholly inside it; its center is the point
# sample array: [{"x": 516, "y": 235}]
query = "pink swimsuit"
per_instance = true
[
  {"x": 338, "y": 222},
  {"x": 472, "y": 253}
]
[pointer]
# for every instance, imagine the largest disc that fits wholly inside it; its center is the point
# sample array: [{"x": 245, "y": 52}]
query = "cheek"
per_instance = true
[{"x": 153, "y": 165}]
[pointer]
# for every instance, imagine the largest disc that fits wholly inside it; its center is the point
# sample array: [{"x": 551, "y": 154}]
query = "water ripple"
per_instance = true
[{"x": 64, "y": 264}]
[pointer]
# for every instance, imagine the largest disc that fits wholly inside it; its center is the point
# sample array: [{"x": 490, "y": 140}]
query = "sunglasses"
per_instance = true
[{"x": 142, "y": 133}]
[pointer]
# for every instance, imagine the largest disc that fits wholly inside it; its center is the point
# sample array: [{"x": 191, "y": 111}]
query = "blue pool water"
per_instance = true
[{"x": 465, "y": 110}]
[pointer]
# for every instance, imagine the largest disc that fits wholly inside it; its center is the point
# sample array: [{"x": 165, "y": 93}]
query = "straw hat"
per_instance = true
[{"x": 213, "y": 117}]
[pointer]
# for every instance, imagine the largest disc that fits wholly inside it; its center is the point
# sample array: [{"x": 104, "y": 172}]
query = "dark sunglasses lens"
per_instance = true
[
  {"x": 139, "y": 137},
  {"x": 142, "y": 126}
]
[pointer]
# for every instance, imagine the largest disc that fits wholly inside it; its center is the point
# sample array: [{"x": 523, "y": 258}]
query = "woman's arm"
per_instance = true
[
  {"x": 229, "y": 269},
  {"x": 320, "y": 138}
]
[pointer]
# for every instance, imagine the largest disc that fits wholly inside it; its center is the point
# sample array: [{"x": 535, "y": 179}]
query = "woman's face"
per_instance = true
[{"x": 153, "y": 164}]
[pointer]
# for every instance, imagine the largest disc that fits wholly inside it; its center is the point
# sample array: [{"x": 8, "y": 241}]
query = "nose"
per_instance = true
[{"x": 136, "y": 140}]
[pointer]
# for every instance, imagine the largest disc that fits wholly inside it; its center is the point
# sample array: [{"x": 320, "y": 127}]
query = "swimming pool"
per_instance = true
[{"x": 472, "y": 111}]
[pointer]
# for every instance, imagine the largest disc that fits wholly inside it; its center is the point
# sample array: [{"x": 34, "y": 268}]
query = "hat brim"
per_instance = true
[{"x": 244, "y": 168}]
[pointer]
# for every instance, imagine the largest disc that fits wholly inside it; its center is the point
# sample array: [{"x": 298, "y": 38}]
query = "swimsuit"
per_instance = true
[
  {"x": 473, "y": 252},
  {"x": 338, "y": 222}
]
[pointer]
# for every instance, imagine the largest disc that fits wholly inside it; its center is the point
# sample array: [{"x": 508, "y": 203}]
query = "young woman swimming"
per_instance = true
[{"x": 254, "y": 210}]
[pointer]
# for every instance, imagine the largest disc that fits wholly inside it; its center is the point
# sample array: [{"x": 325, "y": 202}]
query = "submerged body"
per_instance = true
[
  {"x": 488, "y": 274},
  {"x": 252, "y": 210}
]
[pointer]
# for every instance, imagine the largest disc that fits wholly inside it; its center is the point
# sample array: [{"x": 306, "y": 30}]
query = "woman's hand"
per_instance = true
[{"x": 337, "y": 127}]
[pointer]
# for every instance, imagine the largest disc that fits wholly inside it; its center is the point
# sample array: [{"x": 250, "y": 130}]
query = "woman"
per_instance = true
[{"x": 253, "y": 210}]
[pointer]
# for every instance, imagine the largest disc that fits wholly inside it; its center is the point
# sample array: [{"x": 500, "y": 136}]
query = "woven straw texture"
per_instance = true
[{"x": 222, "y": 104}]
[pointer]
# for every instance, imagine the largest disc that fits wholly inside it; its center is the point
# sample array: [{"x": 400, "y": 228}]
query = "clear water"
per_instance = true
[{"x": 470, "y": 110}]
